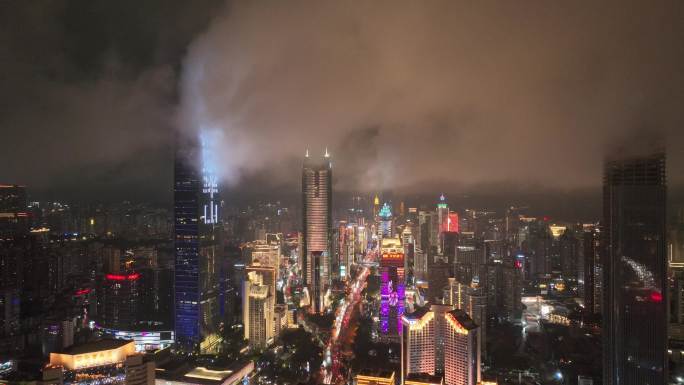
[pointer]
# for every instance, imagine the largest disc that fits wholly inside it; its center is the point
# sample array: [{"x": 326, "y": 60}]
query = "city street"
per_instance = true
[{"x": 339, "y": 340}]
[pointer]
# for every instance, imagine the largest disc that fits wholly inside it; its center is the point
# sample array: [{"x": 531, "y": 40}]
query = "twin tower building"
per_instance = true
[{"x": 317, "y": 228}]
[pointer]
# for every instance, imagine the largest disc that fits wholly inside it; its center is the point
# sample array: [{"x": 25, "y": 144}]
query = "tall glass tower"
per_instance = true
[
  {"x": 186, "y": 243},
  {"x": 316, "y": 227},
  {"x": 635, "y": 266},
  {"x": 196, "y": 224}
]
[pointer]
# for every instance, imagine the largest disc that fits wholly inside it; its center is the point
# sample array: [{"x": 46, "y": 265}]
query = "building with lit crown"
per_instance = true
[
  {"x": 418, "y": 342},
  {"x": 392, "y": 288},
  {"x": 120, "y": 299},
  {"x": 461, "y": 352},
  {"x": 384, "y": 221}
]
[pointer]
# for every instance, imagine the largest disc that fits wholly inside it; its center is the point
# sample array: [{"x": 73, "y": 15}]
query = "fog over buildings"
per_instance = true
[{"x": 404, "y": 94}]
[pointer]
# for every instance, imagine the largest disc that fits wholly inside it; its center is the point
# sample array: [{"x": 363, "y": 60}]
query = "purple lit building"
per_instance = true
[{"x": 391, "y": 288}]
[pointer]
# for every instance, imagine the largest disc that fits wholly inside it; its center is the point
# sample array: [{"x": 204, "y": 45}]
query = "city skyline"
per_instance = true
[{"x": 341, "y": 193}]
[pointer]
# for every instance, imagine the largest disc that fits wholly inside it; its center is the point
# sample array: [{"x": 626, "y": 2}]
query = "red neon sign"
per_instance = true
[
  {"x": 393, "y": 256},
  {"x": 123, "y": 277},
  {"x": 82, "y": 291}
]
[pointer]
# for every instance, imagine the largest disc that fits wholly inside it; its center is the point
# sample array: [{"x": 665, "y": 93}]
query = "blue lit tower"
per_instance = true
[
  {"x": 196, "y": 219},
  {"x": 209, "y": 224},
  {"x": 186, "y": 243},
  {"x": 210, "y": 207},
  {"x": 316, "y": 227},
  {"x": 635, "y": 267}
]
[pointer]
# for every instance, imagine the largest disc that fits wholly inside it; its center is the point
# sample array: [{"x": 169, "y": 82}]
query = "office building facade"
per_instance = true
[
  {"x": 418, "y": 342},
  {"x": 258, "y": 311},
  {"x": 635, "y": 265},
  {"x": 461, "y": 350},
  {"x": 316, "y": 227}
]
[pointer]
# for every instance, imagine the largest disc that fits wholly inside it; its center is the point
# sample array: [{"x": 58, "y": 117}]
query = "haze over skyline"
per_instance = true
[
  {"x": 341, "y": 192},
  {"x": 414, "y": 96}
]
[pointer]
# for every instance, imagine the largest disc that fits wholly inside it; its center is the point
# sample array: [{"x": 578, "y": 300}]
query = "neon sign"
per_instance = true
[{"x": 123, "y": 277}]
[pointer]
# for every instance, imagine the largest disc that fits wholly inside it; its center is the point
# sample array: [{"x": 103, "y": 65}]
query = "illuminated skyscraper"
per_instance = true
[
  {"x": 439, "y": 340},
  {"x": 635, "y": 265},
  {"x": 209, "y": 224},
  {"x": 258, "y": 311},
  {"x": 195, "y": 220},
  {"x": 392, "y": 281},
  {"x": 461, "y": 350},
  {"x": 316, "y": 227},
  {"x": 385, "y": 221},
  {"x": 346, "y": 247},
  {"x": 376, "y": 205},
  {"x": 267, "y": 254},
  {"x": 440, "y": 311},
  {"x": 187, "y": 267},
  {"x": 443, "y": 214},
  {"x": 418, "y": 342},
  {"x": 476, "y": 306}
]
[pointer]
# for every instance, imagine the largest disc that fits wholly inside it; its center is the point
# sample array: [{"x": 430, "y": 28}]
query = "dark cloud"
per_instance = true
[
  {"x": 407, "y": 95},
  {"x": 88, "y": 96},
  {"x": 458, "y": 93}
]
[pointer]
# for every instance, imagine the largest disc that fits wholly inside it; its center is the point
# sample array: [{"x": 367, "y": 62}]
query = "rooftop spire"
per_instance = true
[
  {"x": 327, "y": 155},
  {"x": 307, "y": 152}
]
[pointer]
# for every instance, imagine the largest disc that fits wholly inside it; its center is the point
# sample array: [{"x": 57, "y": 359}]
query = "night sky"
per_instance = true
[{"x": 469, "y": 97}]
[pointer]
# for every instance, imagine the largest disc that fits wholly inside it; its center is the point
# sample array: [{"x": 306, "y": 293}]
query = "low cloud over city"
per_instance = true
[{"x": 402, "y": 93}]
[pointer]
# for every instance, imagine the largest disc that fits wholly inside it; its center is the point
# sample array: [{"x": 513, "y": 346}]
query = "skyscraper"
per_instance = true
[
  {"x": 461, "y": 350},
  {"x": 418, "y": 342},
  {"x": 209, "y": 237},
  {"x": 316, "y": 227},
  {"x": 476, "y": 306},
  {"x": 634, "y": 261},
  {"x": 196, "y": 218},
  {"x": 120, "y": 300},
  {"x": 186, "y": 243},
  {"x": 385, "y": 221},
  {"x": 392, "y": 281},
  {"x": 442, "y": 219},
  {"x": 258, "y": 311},
  {"x": 439, "y": 340},
  {"x": 592, "y": 271}
]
